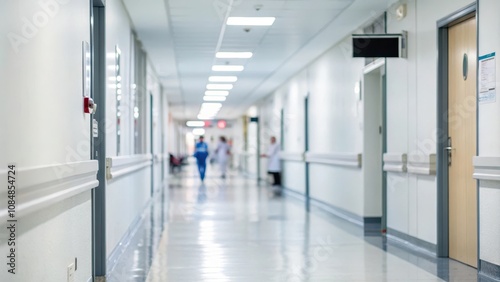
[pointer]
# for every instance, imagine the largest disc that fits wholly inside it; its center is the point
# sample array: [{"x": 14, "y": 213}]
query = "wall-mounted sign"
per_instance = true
[
  {"x": 487, "y": 79},
  {"x": 95, "y": 128},
  {"x": 380, "y": 45}
]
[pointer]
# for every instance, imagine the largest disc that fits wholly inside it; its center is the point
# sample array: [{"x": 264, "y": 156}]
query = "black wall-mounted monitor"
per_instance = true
[{"x": 376, "y": 46}]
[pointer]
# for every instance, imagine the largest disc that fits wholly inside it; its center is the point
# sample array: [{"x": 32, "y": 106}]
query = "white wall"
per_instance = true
[
  {"x": 291, "y": 98},
  {"x": 121, "y": 196},
  {"x": 269, "y": 113},
  {"x": 174, "y": 136},
  {"x": 126, "y": 198},
  {"x": 336, "y": 123},
  {"x": 335, "y": 126},
  {"x": 489, "y": 134},
  {"x": 42, "y": 117},
  {"x": 42, "y": 123},
  {"x": 154, "y": 88},
  {"x": 238, "y": 143},
  {"x": 128, "y": 195},
  {"x": 118, "y": 33},
  {"x": 294, "y": 128},
  {"x": 411, "y": 116},
  {"x": 165, "y": 125}
]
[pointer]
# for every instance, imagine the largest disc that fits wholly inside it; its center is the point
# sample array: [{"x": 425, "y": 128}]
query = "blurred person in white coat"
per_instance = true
[
  {"x": 273, "y": 165},
  {"x": 223, "y": 152}
]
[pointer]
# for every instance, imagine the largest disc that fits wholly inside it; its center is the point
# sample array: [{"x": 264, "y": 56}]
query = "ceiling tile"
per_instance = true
[{"x": 193, "y": 30}]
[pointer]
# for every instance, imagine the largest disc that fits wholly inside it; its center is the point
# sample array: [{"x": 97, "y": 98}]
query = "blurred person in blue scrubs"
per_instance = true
[{"x": 201, "y": 154}]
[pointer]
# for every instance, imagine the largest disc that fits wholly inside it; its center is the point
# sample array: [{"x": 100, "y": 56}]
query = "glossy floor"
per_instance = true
[{"x": 235, "y": 230}]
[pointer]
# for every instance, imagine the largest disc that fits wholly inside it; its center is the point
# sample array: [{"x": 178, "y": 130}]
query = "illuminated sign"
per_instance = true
[{"x": 221, "y": 124}]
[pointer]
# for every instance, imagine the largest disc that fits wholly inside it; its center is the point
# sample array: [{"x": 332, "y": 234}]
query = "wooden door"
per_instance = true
[{"x": 462, "y": 131}]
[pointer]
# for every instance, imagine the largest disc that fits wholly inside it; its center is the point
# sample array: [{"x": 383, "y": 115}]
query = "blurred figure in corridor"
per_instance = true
[
  {"x": 201, "y": 154},
  {"x": 223, "y": 152},
  {"x": 273, "y": 165}
]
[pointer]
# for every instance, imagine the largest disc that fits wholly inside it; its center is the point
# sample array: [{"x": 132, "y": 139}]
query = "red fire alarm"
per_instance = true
[{"x": 89, "y": 106}]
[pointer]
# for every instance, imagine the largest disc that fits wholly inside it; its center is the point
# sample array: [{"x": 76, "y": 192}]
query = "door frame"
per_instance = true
[
  {"x": 259, "y": 174},
  {"x": 442, "y": 172},
  {"x": 380, "y": 65},
  {"x": 282, "y": 141},
  {"x": 151, "y": 142},
  {"x": 306, "y": 149},
  {"x": 98, "y": 90}
]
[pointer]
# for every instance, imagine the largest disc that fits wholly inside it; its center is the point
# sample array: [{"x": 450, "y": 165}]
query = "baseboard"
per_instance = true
[
  {"x": 489, "y": 271},
  {"x": 122, "y": 245},
  {"x": 368, "y": 223},
  {"x": 249, "y": 175},
  {"x": 410, "y": 242},
  {"x": 294, "y": 194}
]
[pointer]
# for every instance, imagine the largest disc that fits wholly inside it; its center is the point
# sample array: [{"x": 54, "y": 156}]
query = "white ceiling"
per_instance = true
[{"x": 182, "y": 36}]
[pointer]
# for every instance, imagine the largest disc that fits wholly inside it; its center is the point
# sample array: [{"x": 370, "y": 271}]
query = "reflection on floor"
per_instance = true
[{"x": 234, "y": 229}]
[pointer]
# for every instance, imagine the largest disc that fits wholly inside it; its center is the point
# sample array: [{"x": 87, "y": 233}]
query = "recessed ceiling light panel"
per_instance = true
[
  {"x": 234, "y": 55},
  {"x": 219, "y": 86},
  {"x": 195, "y": 123},
  {"x": 214, "y": 98},
  {"x": 251, "y": 21},
  {"x": 216, "y": 93},
  {"x": 211, "y": 105},
  {"x": 222, "y": 79},
  {"x": 227, "y": 68}
]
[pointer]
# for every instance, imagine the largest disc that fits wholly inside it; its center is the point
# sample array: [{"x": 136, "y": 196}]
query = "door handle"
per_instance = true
[{"x": 449, "y": 148}]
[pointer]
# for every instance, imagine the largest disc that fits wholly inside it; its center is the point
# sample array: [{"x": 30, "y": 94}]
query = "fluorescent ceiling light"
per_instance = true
[
  {"x": 219, "y": 86},
  {"x": 249, "y": 21},
  {"x": 195, "y": 123},
  {"x": 216, "y": 93},
  {"x": 227, "y": 68},
  {"x": 211, "y": 105},
  {"x": 234, "y": 55},
  {"x": 214, "y": 98},
  {"x": 205, "y": 117},
  {"x": 222, "y": 79},
  {"x": 209, "y": 112},
  {"x": 198, "y": 131}
]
